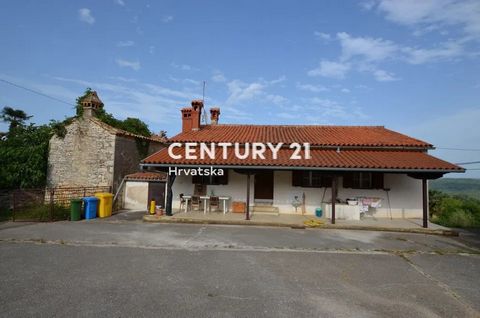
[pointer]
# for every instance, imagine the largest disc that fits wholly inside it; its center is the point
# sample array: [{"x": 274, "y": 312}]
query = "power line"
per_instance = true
[
  {"x": 467, "y": 163},
  {"x": 35, "y": 92},
  {"x": 459, "y": 149}
]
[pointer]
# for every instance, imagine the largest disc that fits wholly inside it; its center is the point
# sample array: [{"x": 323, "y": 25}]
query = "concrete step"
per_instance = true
[{"x": 265, "y": 209}]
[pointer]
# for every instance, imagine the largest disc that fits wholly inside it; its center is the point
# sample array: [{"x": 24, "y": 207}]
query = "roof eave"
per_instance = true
[{"x": 166, "y": 165}]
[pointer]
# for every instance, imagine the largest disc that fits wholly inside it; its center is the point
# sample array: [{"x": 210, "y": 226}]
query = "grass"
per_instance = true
[{"x": 37, "y": 213}]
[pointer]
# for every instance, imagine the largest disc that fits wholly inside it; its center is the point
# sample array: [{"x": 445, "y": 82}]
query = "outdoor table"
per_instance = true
[
  {"x": 187, "y": 197},
  {"x": 224, "y": 199},
  {"x": 205, "y": 198}
]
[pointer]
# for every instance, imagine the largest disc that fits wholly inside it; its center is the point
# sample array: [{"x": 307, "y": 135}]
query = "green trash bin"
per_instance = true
[{"x": 75, "y": 210}]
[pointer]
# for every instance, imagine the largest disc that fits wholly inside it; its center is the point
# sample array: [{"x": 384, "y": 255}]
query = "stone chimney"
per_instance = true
[
  {"x": 191, "y": 116},
  {"x": 214, "y": 115},
  {"x": 91, "y": 103}
]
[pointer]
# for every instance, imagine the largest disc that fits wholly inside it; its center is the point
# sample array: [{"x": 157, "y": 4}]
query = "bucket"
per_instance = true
[{"x": 318, "y": 212}]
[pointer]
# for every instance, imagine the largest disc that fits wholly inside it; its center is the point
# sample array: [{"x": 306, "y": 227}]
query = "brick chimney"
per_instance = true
[
  {"x": 191, "y": 116},
  {"x": 214, "y": 114}
]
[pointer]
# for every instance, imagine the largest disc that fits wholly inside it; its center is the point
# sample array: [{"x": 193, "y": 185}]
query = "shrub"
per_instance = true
[{"x": 454, "y": 211}]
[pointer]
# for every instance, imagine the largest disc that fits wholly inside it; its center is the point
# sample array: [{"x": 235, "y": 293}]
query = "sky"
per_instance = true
[{"x": 412, "y": 66}]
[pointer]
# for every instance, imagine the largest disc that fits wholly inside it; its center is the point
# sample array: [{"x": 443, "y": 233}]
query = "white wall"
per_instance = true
[
  {"x": 405, "y": 194},
  {"x": 236, "y": 188},
  {"x": 136, "y": 195}
]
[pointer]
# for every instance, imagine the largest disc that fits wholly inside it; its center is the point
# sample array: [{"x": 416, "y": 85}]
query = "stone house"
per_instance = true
[{"x": 93, "y": 153}]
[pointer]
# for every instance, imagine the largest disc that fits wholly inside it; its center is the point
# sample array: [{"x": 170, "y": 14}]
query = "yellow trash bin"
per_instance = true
[{"x": 105, "y": 204}]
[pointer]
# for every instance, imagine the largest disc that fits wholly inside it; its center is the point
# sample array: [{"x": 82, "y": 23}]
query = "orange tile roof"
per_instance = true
[
  {"x": 402, "y": 160},
  {"x": 147, "y": 176},
  {"x": 355, "y": 136}
]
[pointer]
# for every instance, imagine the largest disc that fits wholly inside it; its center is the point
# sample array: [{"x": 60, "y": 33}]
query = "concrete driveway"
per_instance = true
[{"x": 169, "y": 270}]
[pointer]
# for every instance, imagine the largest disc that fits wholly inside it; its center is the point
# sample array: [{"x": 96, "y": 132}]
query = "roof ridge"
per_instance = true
[
  {"x": 120, "y": 131},
  {"x": 302, "y": 125}
]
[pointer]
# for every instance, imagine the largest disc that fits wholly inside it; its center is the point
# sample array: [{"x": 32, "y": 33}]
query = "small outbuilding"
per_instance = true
[{"x": 143, "y": 187}]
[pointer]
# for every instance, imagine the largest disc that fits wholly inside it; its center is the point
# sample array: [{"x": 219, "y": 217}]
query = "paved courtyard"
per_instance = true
[{"x": 176, "y": 270}]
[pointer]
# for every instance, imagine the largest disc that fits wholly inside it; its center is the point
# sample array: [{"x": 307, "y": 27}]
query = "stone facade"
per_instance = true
[{"x": 94, "y": 154}]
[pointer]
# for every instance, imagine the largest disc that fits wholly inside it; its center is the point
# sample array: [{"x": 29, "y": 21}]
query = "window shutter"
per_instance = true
[
  {"x": 377, "y": 180},
  {"x": 297, "y": 176},
  {"x": 348, "y": 180}
]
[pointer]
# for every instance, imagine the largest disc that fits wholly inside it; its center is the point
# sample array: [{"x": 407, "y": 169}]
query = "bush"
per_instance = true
[{"x": 454, "y": 211}]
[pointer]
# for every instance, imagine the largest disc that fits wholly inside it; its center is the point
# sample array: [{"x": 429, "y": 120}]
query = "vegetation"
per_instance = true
[
  {"x": 132, "y": 125},
  {"x": 40, "y": 213},
  {"x": 457, "y": 186},
  {"x": 24, "y": 148},
  {"x": 24, "y": 156},
  {"x": 454, "y": 210}
]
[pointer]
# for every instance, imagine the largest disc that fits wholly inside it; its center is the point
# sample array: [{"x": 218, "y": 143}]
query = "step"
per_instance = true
[{"x": 265, "y": 209}]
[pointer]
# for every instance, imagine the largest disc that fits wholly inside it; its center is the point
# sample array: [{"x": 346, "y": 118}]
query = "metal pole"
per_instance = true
[
  {"x": 334, "y": 197},
  {"x": 247, "y": 217},
  {"x": 52, "y": 193},
  {"x": 13, "y": 204},
  {"x": 425, "y": 203}
]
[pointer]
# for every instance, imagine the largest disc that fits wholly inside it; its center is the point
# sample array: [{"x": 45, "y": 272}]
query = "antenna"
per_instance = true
[{"x": 204, "y": 115}]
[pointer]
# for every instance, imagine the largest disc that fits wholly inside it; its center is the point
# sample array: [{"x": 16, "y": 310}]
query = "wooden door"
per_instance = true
[
  {"x": 263, "y": 189},
  {"x": 156, "y": 191}
]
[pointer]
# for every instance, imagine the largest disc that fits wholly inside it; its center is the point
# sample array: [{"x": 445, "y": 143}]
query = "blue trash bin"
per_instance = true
[
  {"x": 91, "y": 206},
  {"x": 318, "y": 212}
]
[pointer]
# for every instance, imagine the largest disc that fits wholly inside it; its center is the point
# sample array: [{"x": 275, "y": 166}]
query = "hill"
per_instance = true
[{"x": 461, "y": 186}]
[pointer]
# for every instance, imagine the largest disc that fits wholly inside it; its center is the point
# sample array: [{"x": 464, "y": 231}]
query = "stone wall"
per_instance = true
[
  {"x": 85, "y": 157},
  {"x": 128, "y": 157}
]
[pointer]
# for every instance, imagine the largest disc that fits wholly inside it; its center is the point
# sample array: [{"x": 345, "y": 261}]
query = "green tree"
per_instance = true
[
  {"x": 24, "y": 157},
  {"x": 15, "y": 117}
]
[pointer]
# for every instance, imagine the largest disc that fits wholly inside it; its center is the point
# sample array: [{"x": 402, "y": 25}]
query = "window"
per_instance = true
[
  {"x": 211, "y": 180},
  {"x": 311, "y": 179},
  {"x": 363, "y": 180}
]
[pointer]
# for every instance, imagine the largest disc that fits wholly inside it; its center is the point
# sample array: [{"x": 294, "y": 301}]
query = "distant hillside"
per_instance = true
[{"x": 470, "y": 187}]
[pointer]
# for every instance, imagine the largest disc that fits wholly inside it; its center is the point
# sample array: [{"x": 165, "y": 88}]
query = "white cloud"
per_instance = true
[
  {"x": 446, "y": 51},
  {"x": 136, "y": 99},
  {"x": 276, "y": 99},
  {"x": 134, "y": 65},
  {"x": 85, "y": 15},
  {"x": 120, "y": 2},
  {"x": 167, "y": 19},
  {"x": 384, "y": 76},
  {"x": 282, "y": 78},
  {"x": 367, "y": 48},
  {"x": 465, "y": 14},
  {"x": 125, "y": 43},
  {"x": 151, "y": 49},
  {"x": 322, "y": 36},
  {"x": 218, "y": 77},
  {"x": 330, "y": 69},
  {"x": 183, "y": 67},
  {"x": 312, "y": 88},
  {"x": 240, "y": 91},
  {"x": 367, "y": 5},
  {"x": 345, "y": 90}
]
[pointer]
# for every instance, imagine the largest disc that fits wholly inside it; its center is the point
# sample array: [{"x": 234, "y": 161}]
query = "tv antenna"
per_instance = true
[{"x": 204, "y": 115}]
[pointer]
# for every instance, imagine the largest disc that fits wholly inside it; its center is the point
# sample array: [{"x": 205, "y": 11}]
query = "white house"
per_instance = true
[{"x": 382, "y": 172}]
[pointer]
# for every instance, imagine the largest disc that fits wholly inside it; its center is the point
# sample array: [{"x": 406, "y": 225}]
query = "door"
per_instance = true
[
  {"x": 156, "y": 191},
  {"x": 263, "y": 189}
]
